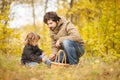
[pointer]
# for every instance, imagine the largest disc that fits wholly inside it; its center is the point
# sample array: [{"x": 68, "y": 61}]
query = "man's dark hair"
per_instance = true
[{"x": 51, "y": 15}]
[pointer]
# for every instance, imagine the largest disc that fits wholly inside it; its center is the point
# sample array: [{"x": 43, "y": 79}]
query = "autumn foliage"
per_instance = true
[{"x": 98, "y": 22}]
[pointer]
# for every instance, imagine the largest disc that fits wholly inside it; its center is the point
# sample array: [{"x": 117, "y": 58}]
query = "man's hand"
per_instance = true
[
  {"x": 52, "y": 57},
  {"x": 57, "y": 44}
]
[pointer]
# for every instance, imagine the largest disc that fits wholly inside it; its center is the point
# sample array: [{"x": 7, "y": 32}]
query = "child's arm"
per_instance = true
[
  {"x": 45, "y": 59},
  {"x": 39, "y": 51}
]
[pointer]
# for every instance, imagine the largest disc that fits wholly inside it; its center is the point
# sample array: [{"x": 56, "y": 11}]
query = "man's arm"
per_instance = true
[
  {"x": 54, "y": 49},
  {"x": 73, "y": 34}
]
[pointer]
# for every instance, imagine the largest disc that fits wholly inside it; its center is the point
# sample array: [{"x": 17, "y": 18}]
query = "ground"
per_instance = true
[{"x": 87, "y": 69}]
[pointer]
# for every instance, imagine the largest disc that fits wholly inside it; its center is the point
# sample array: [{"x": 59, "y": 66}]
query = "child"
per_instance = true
[{"x": 32, "y": 55}]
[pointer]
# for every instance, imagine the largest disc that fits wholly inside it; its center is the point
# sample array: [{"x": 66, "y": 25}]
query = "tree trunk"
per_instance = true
[
  {"x": 33, "y": 13},
  {"x": 46, "y": 6},
  {"x": 71, "y": 5}
]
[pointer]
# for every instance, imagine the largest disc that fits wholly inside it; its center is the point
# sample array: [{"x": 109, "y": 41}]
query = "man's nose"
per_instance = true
[{"x": 49, "y": 26}]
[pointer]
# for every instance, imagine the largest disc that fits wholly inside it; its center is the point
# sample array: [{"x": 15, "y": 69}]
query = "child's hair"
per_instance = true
[{"x": 31, "y": 38}]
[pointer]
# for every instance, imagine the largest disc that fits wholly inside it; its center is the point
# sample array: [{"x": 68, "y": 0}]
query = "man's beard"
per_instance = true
[{"x": 52, "y": 28}]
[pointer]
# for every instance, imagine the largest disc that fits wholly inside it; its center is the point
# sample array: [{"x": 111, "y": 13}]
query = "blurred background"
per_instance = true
[{"x": 98, "y": 22}]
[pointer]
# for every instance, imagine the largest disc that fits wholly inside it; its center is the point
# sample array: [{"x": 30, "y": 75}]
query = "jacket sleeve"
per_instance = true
[
  {"x": 31, "y": 56},
  {"x": 54, "y": 48},
  {"x": 39, "y": 51},
  {"x": 72, "y": 33}
]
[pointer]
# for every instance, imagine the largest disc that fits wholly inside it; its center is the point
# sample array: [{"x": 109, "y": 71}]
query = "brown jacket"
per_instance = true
[{"x": 64, "y": 30}]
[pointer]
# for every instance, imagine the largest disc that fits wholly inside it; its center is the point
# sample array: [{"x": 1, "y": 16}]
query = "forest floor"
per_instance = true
[{"x": 87, "y": 69}]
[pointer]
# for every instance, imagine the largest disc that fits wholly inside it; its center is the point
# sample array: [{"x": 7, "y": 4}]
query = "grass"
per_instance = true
[{"x": 87, "y": 69}]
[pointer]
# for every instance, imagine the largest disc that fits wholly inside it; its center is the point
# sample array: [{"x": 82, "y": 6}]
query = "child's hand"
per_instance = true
[
  {"x": 52, "y": 57},
  {"x": 43, "y": 53}
]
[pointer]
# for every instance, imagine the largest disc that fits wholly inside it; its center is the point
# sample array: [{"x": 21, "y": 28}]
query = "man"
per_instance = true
[{"x": 64, "y": 36}]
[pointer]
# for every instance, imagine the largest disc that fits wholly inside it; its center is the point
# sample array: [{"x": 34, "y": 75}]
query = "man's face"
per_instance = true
[{"x": 51, "y": 24}]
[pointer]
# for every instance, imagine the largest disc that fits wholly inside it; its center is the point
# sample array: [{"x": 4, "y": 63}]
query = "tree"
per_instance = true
[
  {"x": 98, "y": 23},
  {"x": 5, "y": 32}
]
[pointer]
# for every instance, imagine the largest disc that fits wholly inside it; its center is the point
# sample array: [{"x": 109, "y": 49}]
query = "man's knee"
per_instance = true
[{"x": 66, "y": 42}]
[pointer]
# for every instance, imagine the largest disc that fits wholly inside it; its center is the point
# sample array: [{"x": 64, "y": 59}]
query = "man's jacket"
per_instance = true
[{"x": 64, "y": 30}]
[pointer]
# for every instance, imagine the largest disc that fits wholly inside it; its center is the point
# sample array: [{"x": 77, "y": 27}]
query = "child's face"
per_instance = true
[{"x": 35, "y": 43}]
